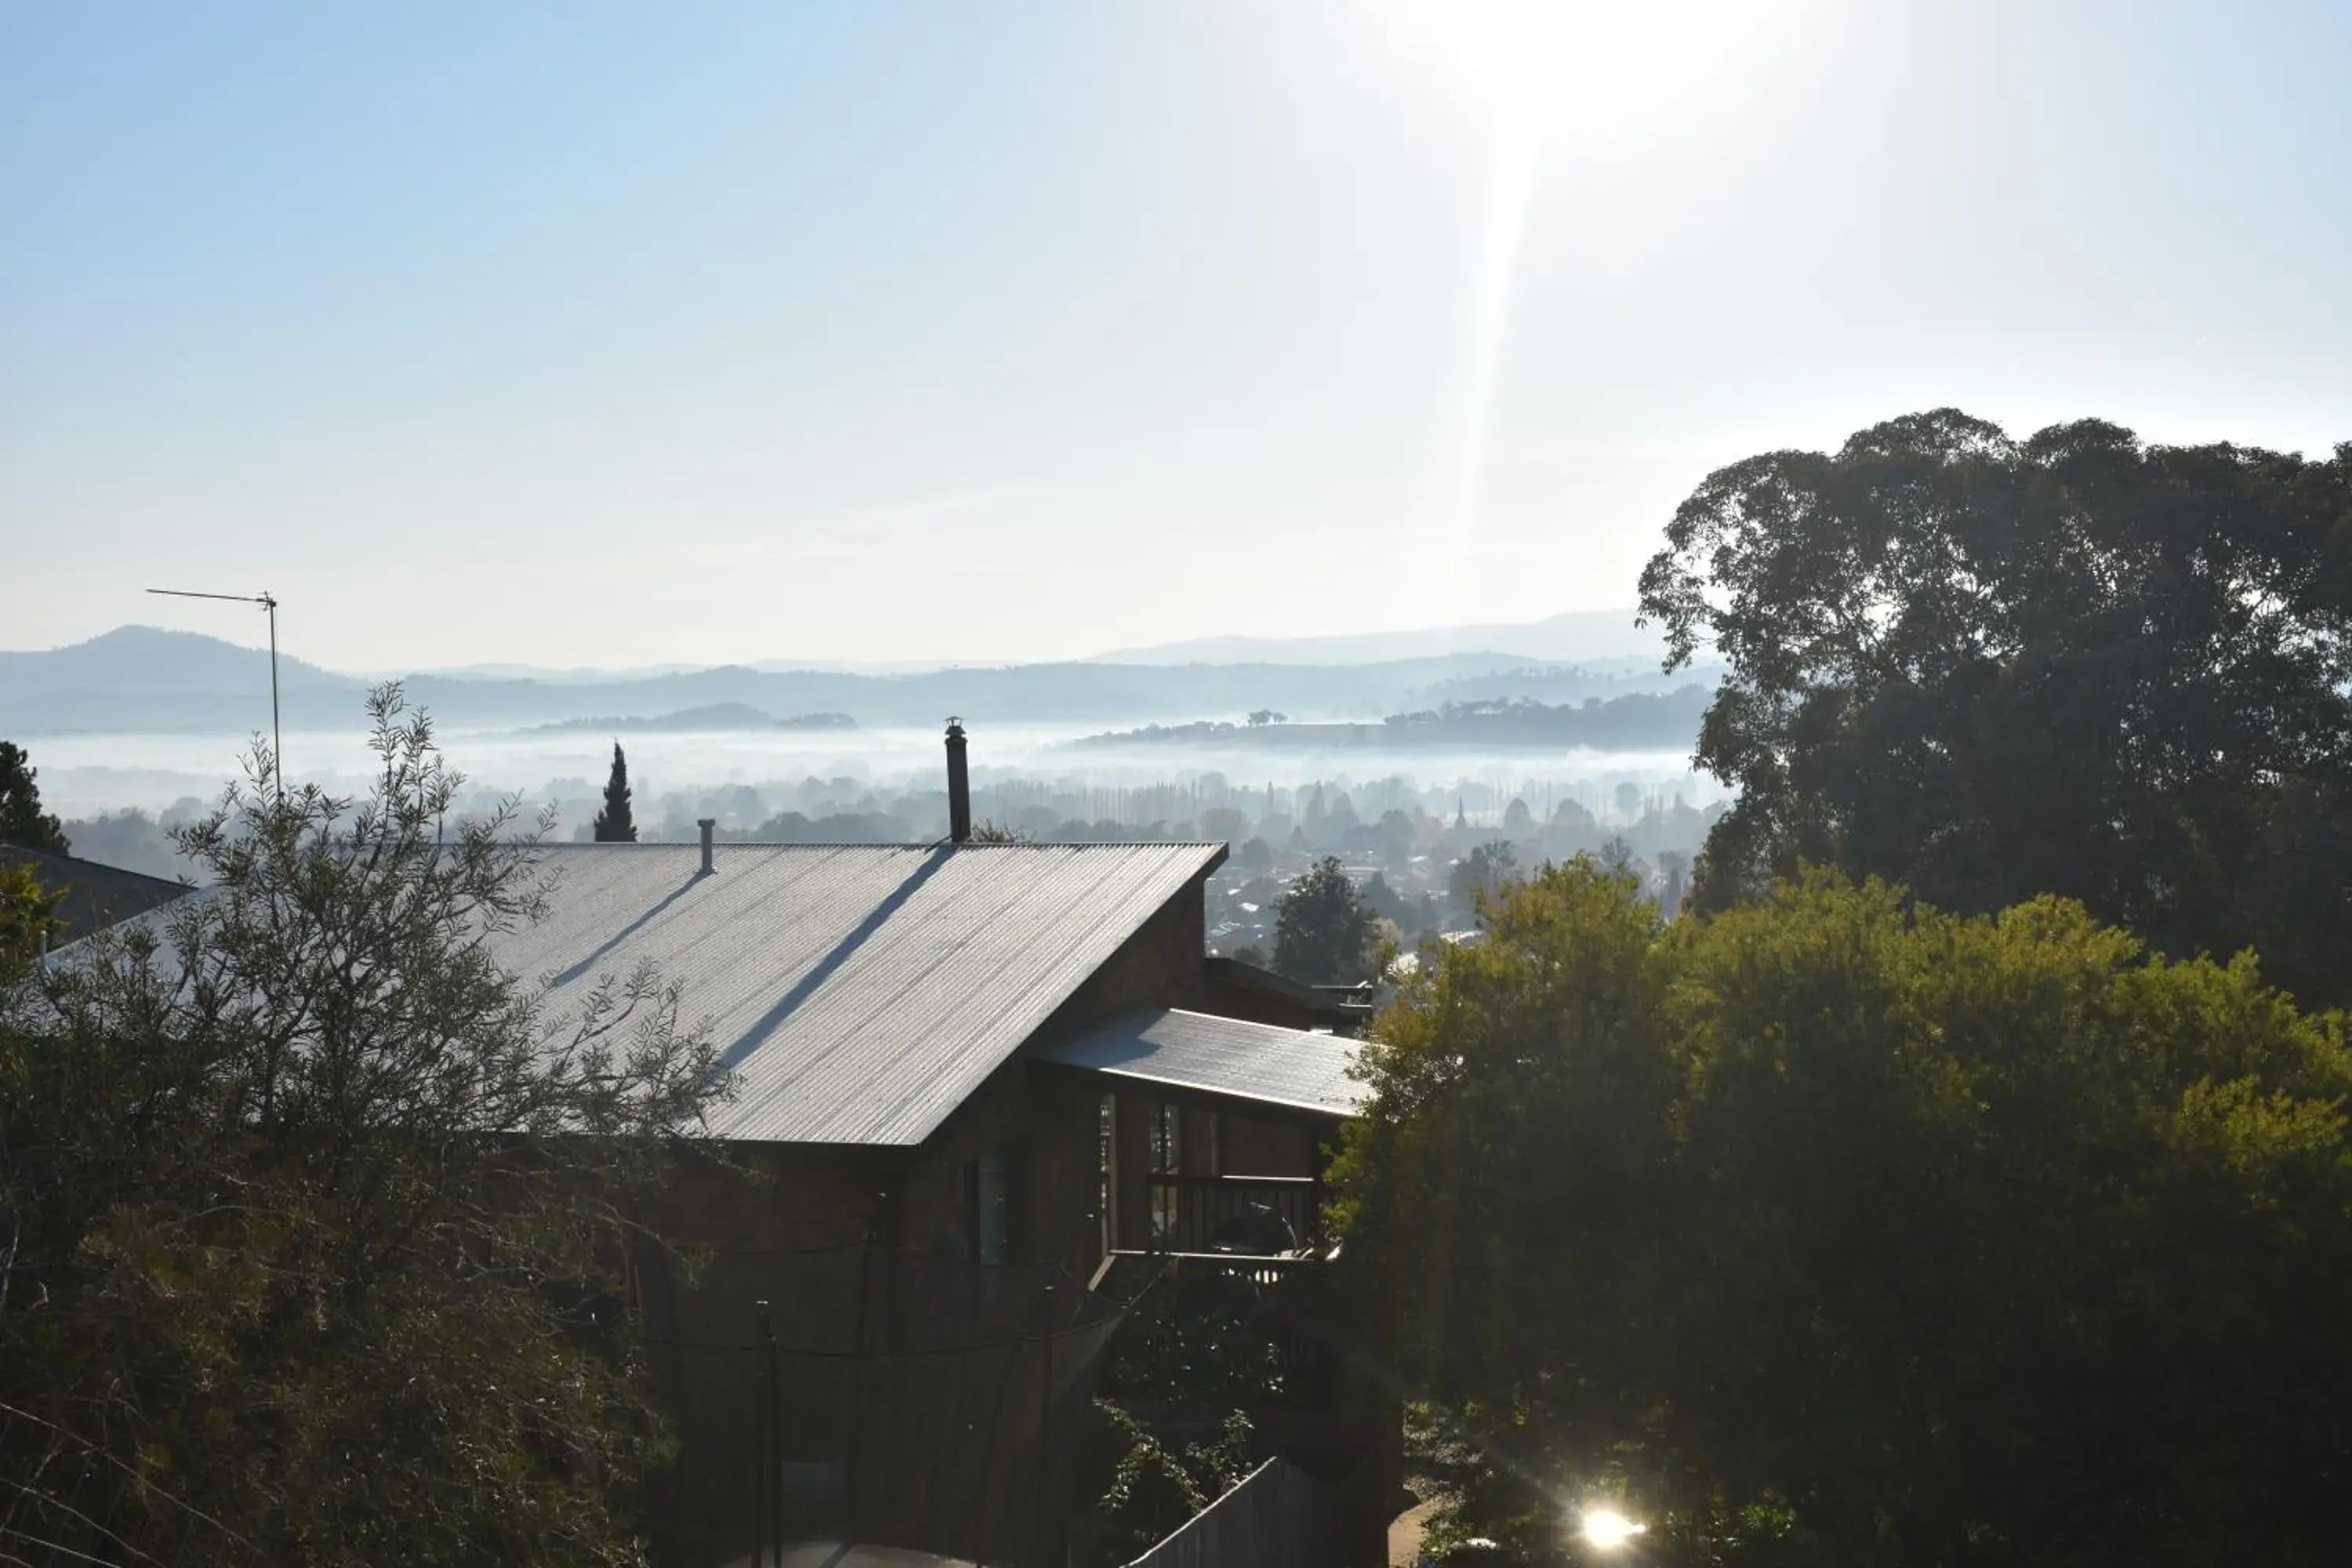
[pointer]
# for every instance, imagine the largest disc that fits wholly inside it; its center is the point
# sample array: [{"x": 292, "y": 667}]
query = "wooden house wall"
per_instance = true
[{"x": 787, "y": 1224}]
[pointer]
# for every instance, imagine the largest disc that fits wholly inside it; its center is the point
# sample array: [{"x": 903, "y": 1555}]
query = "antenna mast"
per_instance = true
[{"x": 268, "y": 603}]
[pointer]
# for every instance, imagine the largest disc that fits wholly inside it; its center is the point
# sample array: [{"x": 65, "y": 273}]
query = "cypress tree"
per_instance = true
[
  {"x": 613, "y": 824},
  {"x": 22, "y": 821}
]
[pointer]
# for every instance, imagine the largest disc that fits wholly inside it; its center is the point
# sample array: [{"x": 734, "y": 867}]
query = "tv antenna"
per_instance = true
[{"x": 269, "y": 603}]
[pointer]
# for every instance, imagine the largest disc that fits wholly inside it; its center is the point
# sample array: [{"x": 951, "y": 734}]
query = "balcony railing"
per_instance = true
[{"x": 1249, "y": 1217}]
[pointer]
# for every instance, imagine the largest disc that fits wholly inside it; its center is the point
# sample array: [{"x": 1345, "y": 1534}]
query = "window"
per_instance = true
[
  {"x": 988, "y": 1242},
  {"x": 1167, "y": 1162},
  {"x": 997, "y": 1219},
  {"x": 1167, "y": 1138},
  {"x": 1106, "y": 1171}
]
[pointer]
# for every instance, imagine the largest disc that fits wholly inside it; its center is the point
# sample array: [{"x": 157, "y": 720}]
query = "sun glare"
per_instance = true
[
  {"x": 1546, "y": 73},
  {"x": 1573, "y": 68},
  {"x": 1607, "y": 1530}
]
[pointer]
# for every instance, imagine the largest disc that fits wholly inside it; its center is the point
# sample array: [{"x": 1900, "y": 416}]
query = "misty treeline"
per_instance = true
[
  {"x": 1643, "y": 720},
  {"x": 1404, "y": 842},
  {"x": 1637, "y": 722},
  {"x": 1339, "y": 813},
  {"x": 137, "y": 840},
  {"x": 1414, "y": 876}
]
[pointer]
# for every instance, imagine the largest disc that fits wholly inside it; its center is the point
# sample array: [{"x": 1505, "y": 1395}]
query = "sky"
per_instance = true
[{"x": 614, "y": 334}]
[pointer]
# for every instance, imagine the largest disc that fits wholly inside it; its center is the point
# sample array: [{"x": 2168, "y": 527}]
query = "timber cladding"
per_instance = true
[{"x": 790, "y": 1224}]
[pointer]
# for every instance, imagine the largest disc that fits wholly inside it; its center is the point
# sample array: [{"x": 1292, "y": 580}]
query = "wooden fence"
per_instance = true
[{"x": 1278, "y": 1515}]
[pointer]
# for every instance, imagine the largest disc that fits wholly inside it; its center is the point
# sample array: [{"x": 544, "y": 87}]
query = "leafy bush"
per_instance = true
[
  {"x": 301, "y": 1196},
  {"x": 1837, "y": 1230}
]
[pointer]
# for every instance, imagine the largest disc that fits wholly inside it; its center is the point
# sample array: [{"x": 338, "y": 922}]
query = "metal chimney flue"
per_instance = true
[
  {"x": 706, "y": 823},
  {"x": 959, "y": 785}
]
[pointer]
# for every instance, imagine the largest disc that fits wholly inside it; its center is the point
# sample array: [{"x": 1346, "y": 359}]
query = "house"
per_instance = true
[
  {"x": 967, "y": 1077},
  {"x": 976, "y": 1087},
  {"x": 96, "y": 895}
]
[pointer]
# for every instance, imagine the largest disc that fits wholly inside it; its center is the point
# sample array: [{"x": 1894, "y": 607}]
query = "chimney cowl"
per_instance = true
[
  {"x": 706, "y": 823},
  {"x": 958, "y": 786}
]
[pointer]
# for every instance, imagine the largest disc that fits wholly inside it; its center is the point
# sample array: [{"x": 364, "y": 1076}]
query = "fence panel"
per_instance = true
[{"x": 1278, "y": 1515}]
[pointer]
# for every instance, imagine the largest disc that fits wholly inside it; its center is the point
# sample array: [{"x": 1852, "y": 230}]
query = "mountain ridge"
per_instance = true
[{"x": 144, "y": 680}]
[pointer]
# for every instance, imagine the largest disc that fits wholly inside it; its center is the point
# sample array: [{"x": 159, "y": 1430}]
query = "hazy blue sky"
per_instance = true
[{"x": 618, "y": 333}]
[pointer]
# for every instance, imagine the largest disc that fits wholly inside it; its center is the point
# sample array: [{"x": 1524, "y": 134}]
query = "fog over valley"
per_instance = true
[{"x": 1399, "y": 765}]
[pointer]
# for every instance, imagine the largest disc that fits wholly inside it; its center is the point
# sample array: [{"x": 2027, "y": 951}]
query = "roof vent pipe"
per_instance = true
[
  {"x": 959, "y": 785},
  {"x": 706, "y": 824}
]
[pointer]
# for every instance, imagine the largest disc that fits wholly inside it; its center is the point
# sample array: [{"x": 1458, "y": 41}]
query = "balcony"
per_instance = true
[{"x": 1235, "y": 1216}]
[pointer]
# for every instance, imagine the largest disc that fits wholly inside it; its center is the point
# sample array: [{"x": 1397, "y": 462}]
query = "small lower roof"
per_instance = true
[{"x": 1298, "y": 1069}]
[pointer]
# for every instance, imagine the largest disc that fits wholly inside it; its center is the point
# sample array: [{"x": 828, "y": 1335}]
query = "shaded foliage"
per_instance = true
[
  {"x": 320, "y": 1223},
  {"x": 1199, "y": 1335},
  {"x": 1993, "y": 667},
  {"x": 1835, "y": 1229},
  {"x": 1324, "y": 932},
  {"x": 1158, "y": 1485},
  {"x": 27, "y": 922},
  {"x": 22, "y": 821}
]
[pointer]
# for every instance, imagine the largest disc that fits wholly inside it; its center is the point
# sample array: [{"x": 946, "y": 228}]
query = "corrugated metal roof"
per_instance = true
[
  {"x": 859, "y": 992},
  {"x": 1299, "y": 1069}
]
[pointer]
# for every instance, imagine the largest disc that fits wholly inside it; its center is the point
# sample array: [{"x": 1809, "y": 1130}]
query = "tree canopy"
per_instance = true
[
  {"x": 1993, "y": 667},
  {"x": 1835, "y": 1229},
  {"x": 22, "y": 821},
  {"x": 311, "y": 1220},
  {"x": 613, "y": 824},
  {"x": 1323, "y": 931}
]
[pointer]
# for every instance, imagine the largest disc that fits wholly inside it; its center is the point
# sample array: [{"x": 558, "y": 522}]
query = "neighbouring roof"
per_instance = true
[
  {"x": 1300, "y": 1069},
  {"x": 859, "y": 992},
  {"x": 1338, "y": 1003},
  {"x": 94, "y": 895}
]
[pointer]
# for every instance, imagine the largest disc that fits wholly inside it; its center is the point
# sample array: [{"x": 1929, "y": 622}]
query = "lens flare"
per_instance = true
[{"x": 1607, "y": 1530}]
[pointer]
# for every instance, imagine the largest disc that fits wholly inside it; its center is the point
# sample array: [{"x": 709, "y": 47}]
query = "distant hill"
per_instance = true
[
  {"x": 549, "y": 675},
  {"x": 1579, "y": 635},
  {"x": 142, "y": 681},
  {"x": 145, "y": 679},
  {"x": 159, "y": 660},
  {"x": 716, "y": 716},
  {"x": 1641, "y": 721}
]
